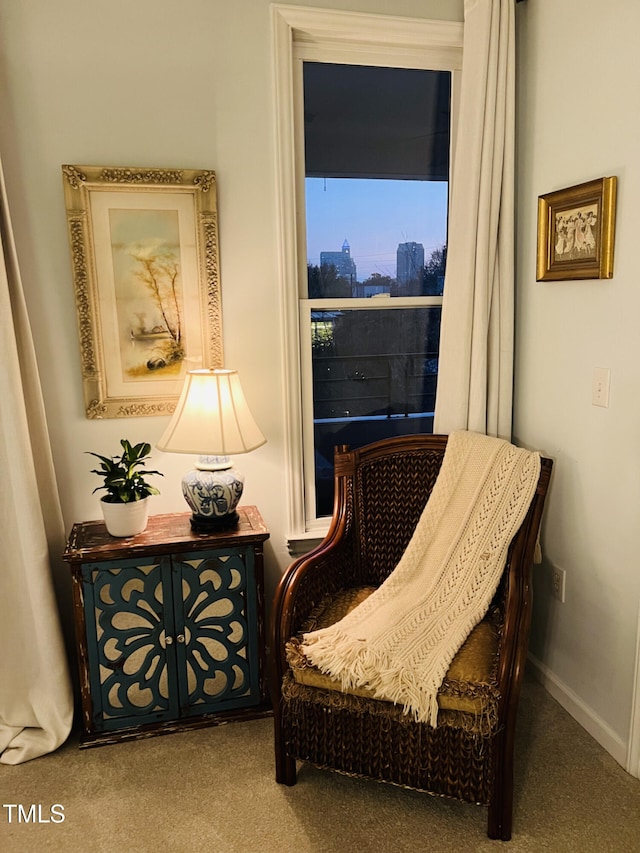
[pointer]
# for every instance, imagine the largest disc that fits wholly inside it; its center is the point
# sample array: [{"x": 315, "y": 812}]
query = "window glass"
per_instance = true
[
  {"x": 374, "y": 377},
  {"x": 368, "y": 237}
]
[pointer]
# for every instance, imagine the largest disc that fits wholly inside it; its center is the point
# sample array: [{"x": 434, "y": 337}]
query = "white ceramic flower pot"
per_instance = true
[{"x": 128, "y": 519}]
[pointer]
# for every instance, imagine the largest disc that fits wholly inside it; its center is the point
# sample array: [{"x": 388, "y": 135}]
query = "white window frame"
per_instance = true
[{"x": 323, "y": 35}]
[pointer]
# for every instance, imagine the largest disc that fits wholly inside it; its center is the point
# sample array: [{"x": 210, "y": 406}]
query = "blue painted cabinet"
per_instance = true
[{"x": 169, "y": 626}]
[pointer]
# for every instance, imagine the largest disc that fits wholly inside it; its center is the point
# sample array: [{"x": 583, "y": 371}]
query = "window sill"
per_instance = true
[{"x": 302, "y": 543}]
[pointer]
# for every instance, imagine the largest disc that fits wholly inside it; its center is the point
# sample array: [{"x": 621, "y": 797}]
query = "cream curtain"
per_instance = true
[
  {"x": 475, "y": 376},
  {"x": 36, "y": 704}
]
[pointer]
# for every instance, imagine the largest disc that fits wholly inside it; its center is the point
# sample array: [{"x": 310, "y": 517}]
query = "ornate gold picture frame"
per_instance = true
[
  {"x": 576, "y": 229},
  {"x": 144, "y": 253}
]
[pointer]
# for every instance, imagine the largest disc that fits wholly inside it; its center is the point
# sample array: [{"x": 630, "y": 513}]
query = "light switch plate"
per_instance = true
[{"x": 600, "y": 388}]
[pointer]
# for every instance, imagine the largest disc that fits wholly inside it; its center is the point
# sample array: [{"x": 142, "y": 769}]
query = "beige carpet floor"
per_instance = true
[{"x": 213, "y": 790}]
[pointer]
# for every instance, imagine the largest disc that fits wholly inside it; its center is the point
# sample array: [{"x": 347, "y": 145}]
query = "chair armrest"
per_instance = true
[
  {"x": 518, "y": 598},
  {"x": 310, "y": 578}
]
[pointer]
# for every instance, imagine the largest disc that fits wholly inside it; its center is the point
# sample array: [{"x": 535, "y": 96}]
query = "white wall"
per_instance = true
[
  {"x": 579, "y": 79},
  {"x": 170, "y": 83}
]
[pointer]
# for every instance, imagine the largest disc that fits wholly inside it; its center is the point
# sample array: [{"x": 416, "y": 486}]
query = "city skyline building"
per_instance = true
[
  {"x": 342, "y": 261},
  {"x": 409, "y": 262}
]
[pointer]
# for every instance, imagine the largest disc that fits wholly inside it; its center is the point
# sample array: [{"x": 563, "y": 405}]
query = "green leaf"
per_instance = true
[{"x": 123, "y": 481}]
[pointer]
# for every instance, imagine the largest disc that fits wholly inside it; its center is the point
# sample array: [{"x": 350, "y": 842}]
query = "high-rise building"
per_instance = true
[
  {"x": 409, "y": 262},
  {"x": 342, "y": 261}
]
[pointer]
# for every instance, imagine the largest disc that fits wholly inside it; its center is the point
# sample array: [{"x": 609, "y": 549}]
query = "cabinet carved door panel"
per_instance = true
[
  {"x": 215, "y": 605},
  {"x": 132, "y": 664}
]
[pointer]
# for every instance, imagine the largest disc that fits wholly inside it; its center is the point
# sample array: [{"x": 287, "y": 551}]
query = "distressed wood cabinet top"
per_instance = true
[{"x": 90, "y": 541}]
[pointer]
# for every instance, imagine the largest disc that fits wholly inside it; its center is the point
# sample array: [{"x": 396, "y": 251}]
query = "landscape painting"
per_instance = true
[
  {"x": 144, "y": 254},
  {"x": 148, "y": 290}
]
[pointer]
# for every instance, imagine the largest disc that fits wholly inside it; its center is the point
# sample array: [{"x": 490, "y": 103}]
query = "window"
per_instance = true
[
  {"x": 368, "y": 101},
  {"x": 376, "y": 160}
]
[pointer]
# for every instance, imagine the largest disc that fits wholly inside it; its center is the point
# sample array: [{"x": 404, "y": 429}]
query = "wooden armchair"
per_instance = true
[{"x": 380, "y": 492}]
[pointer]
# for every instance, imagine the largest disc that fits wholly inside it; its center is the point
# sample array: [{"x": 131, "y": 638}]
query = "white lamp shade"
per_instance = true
[{"x": 212, "y": 417}]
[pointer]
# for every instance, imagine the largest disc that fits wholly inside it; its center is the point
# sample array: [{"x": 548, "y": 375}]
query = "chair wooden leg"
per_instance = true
[
  {"x": 286, "y": 773},
  {"x": 501, "y": 805},
  {"x": 500, "y": 820}
]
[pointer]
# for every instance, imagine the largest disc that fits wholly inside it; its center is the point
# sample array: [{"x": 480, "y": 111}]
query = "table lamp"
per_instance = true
[{"x": 212, "y": 420}]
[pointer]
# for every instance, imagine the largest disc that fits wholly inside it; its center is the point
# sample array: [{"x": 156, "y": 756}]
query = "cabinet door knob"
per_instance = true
[
  {"x": 180, "y": 638},
  {"x": 168, "y": 640}
]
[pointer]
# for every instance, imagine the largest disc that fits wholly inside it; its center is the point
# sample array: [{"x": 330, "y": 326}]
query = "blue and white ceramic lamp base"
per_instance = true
[{"x": 213, "y": 490}]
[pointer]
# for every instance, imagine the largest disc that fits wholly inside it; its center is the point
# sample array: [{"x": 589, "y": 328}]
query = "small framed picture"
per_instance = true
[{"x": 576, "y": 228}]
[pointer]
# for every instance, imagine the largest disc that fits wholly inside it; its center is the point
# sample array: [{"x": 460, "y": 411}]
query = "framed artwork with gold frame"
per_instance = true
[
  {"x": 144, "y": 255},
  {"x": 576, "y": 229}
]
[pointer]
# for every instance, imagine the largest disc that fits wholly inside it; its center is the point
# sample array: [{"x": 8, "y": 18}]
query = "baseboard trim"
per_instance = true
[{"x": 581, "y": 713}]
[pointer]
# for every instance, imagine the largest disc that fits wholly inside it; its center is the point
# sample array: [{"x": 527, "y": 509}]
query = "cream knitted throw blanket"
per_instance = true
[{"x": 402, "y": 639}]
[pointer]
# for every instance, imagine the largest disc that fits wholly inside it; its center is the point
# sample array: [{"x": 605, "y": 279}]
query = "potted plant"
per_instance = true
[{"x": 125, "y": 506}]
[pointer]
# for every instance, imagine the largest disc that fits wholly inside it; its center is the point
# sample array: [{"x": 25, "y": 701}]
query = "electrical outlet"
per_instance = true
[{"x": 558, "y": 581}]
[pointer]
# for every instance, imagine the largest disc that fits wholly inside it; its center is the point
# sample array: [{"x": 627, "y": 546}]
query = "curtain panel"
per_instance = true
[
  {"x": 36, "y": 701},
  {"x": 475, "y": 376}
]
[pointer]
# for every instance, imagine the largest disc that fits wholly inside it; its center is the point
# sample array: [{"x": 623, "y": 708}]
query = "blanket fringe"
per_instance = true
[{"x": 354, "y": 664}]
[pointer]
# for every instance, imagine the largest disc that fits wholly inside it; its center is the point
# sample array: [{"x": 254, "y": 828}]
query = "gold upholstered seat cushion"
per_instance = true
[{"x": 469, "y": 686}]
